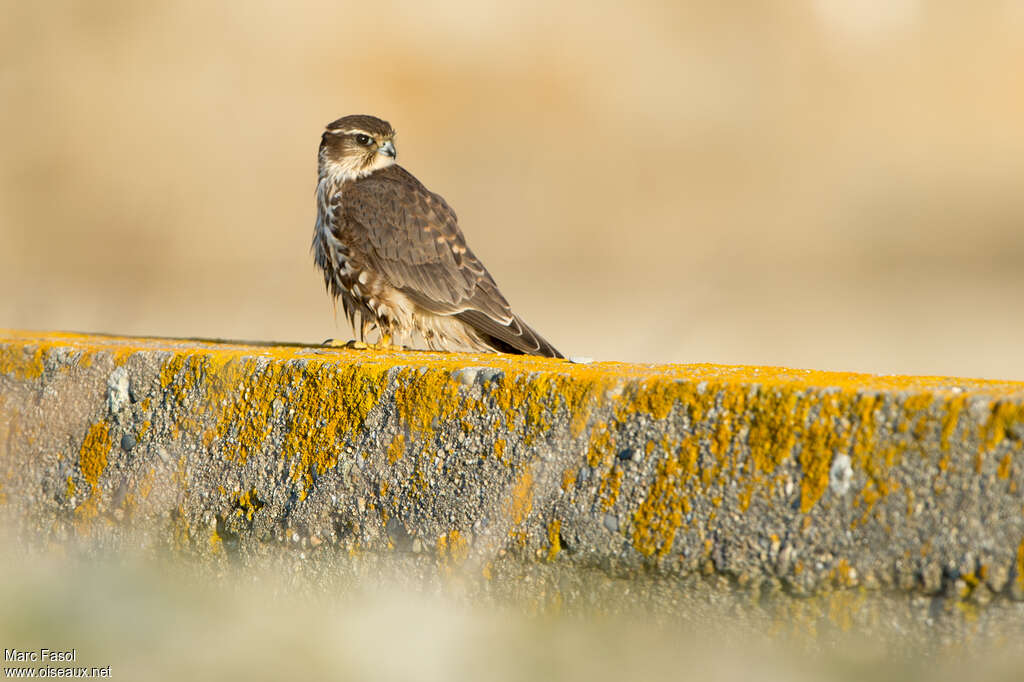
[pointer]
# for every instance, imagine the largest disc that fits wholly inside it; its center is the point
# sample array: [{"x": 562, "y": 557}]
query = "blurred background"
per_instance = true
[
  {"x": 826, "y": 184},
  {"x": 833, "y": 184}
]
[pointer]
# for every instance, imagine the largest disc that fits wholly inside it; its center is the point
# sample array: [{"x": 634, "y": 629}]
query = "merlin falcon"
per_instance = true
[{"x": 392, "y": 251}]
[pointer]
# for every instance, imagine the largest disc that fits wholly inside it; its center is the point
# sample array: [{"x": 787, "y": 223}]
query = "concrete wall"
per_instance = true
[{"x": 774, "y": 480}]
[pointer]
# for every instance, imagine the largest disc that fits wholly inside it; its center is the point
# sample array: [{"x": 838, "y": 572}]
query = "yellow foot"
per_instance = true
[
  {"x": 351, "y": 345},
  {"x": 381, "y": 345},
  {"x": 384, "y": 343},
  {"x": 386, "y": 346}
]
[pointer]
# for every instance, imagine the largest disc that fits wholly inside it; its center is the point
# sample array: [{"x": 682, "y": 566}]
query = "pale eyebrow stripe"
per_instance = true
[{"x": 348, "y": 131}]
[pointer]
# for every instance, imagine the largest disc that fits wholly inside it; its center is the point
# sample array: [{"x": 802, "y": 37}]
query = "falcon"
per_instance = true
[{"x": 392, "y": 251}]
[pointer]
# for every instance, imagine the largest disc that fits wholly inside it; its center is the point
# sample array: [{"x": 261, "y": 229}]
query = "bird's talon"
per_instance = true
[
  {"x": 389, "y": 347},
  {"x": 350, "y": 345}
]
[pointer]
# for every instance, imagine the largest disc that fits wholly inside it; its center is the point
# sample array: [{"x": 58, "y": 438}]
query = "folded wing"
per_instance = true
[{"x": 411, "y": 236}]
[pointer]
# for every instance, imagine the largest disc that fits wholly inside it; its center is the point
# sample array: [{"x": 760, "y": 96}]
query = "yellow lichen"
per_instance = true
[
  {"x": 568, "y": 479},
  {"x": 745, "y": 497},
  {"x": 452, "y": 549},
  {"x": 732, "y": 404},
  {"x": 319, "y": 403},
  {"x": 520, "y": 502},
  {"x": 843, "y": 574},
  {"x": 660, "y": 514},
  {"x": 1020, "y": 565},
  {"x": 92, "y": 456},
  {"x": 821, "y": 440},
  {"x": 773, "y": 428},
  {"x": 949, "y": 422},
  {"x": 1004, "y": 417},
  {"x": 916, "y": 408},
  {"x": 22, "y": 362},
  {"x": 247, "y": 505},
  {"x": 425, "y": 398},
  {"x": 238, "y": 399},
  {"x": 600, "y": 451},
  {"x": 554, "y": 539},
  {"x": 396, "y": 449},
  {"x": 1005, "y": 465},
  {"x": 216, "y": 543},
  {"x": 608, "y": 491},
  {"x": 122, "y": 355}
]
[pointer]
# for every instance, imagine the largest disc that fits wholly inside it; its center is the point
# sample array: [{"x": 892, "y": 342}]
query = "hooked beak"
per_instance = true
[{"x": 388, "y": 149}]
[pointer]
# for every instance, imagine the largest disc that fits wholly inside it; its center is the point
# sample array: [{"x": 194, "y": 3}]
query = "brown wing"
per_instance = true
[{"x": 411, "y": 236}]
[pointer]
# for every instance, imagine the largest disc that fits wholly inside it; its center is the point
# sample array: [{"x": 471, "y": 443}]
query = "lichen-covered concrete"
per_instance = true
[{"x": 776, "y": 480}]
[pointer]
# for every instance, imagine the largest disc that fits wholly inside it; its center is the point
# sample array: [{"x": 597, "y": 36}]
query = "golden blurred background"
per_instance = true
[{"x": 826, "y": 184}]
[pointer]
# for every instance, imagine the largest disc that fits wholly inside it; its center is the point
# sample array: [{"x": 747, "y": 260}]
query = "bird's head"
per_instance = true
[{"x": 355, "y": 146}]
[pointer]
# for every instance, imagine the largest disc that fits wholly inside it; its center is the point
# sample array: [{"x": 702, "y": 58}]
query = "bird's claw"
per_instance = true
[
  {"x": 386, "y": 346},
  {"x": 351, "y": 344}
]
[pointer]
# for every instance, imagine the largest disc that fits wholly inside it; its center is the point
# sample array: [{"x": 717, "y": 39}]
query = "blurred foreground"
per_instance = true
[
  {"x": 163, "y": 618},
  {"x": 825, "y": 184}
]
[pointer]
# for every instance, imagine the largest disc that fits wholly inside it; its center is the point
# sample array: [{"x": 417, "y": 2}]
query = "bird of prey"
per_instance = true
[{"x": 392, "y": 251}]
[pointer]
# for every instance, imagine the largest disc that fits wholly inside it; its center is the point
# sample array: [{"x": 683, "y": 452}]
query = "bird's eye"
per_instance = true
[{"x": 363, "y": 139}]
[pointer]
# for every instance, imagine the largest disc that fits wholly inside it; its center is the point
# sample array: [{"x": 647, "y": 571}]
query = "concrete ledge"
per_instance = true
[{"x": 779, "y": 480}]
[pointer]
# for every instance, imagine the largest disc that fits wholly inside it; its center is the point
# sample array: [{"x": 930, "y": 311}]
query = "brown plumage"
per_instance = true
[{"x": 392, "y": 251}]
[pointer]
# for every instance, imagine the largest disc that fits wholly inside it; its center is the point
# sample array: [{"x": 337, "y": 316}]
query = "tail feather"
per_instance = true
[{"x": 516, "y": 337}]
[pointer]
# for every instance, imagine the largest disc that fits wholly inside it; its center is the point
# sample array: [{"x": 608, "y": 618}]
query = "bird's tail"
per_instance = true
[{"x": 516, "y": 337}]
